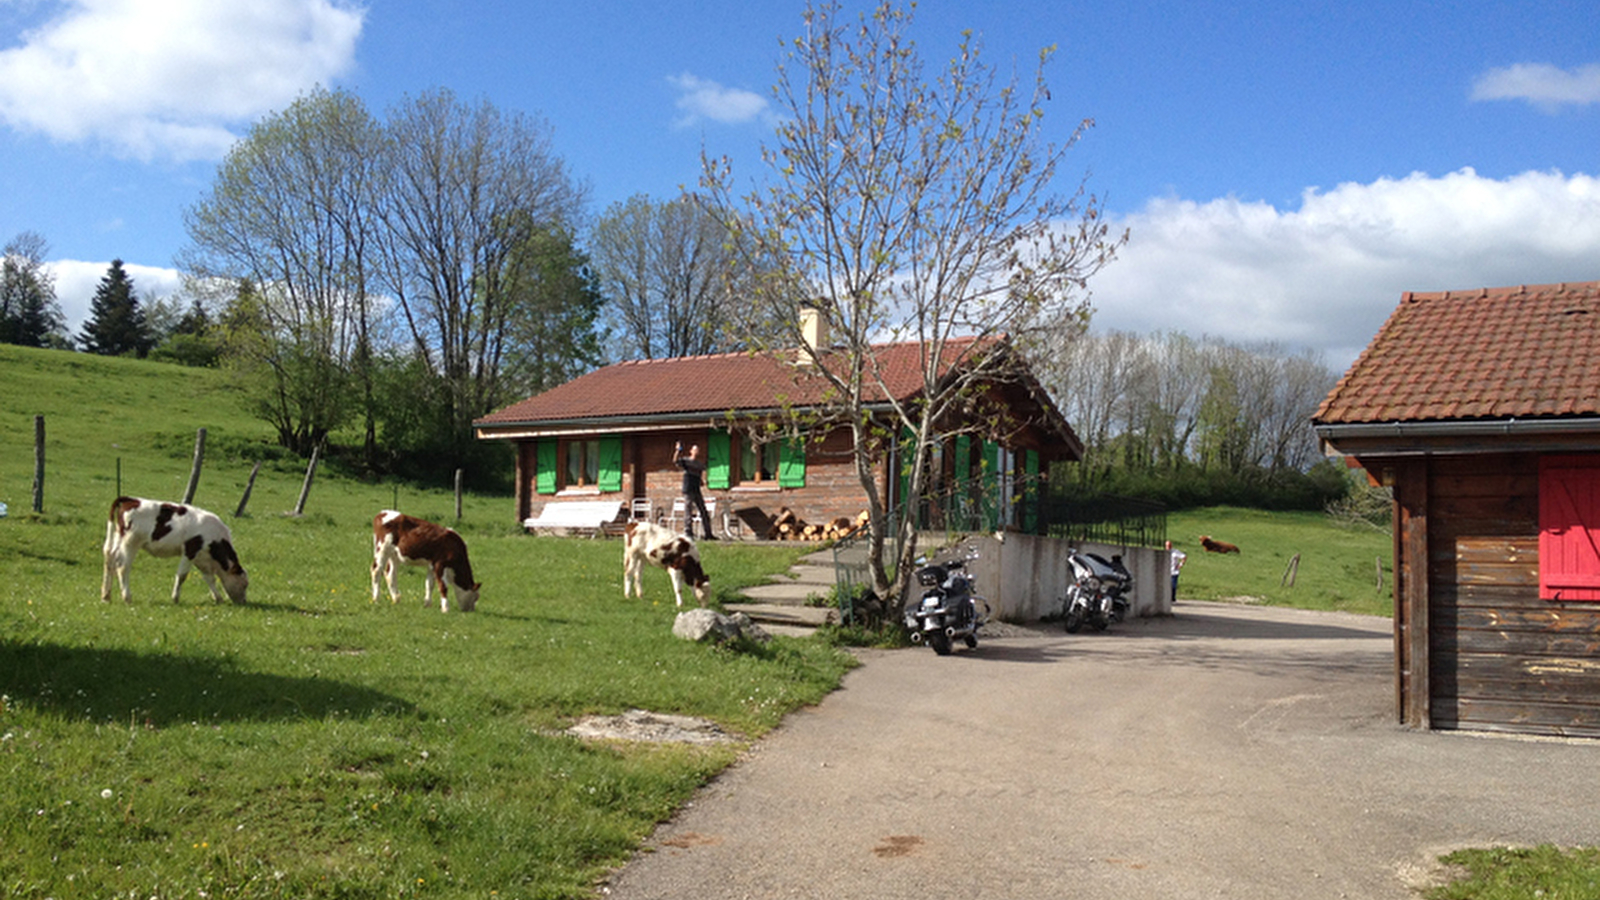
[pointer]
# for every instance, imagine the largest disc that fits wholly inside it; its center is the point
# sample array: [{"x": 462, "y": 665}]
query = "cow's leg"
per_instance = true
[
  {"x": 183, "y": 572},
  {"x": 427, "y": 586},
  {"x": 677, "y": 584},
  {"x": 445, "y": 577},
  {"x": 211, "y": 582},
  {"x": 377, "y": 563},
  {"x": 631, "y": 585},
  {"x": 121, "y": 561}
]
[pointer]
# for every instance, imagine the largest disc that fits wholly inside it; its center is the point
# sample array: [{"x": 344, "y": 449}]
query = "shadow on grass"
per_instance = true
[{"x": 162, "y": 689}]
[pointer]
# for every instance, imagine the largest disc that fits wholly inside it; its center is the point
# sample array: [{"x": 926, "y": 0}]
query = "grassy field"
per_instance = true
[
  {"x": 312, "y": 743},
  {"x": 1338, "y": 568}
]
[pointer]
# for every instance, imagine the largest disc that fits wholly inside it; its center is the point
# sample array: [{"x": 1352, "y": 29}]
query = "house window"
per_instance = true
[
  {"x": 758, "y": 462},
  {"x": 583, "y": 463},
  {"x": 1569, "y": 527}
]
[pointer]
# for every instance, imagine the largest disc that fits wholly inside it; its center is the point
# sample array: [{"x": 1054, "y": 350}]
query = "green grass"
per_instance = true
[
  {"x": 1338, "y": 567},
  {"x": 1544, "y": 872},
  {"x": 314, "y": 744}
]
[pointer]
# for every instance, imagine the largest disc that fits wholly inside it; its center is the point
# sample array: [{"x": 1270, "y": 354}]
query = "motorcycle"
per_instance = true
[
  {"x": 1099, "y": 591},
  {"x": 948, "y": 608}
]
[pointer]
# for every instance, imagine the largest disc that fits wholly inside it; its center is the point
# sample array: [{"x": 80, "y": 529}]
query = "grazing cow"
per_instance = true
[
  {"x": 398, "y": 538},
  {"x": 1217, "y": 546},
  {"x": 645, "y": 542},
  {"x": 198, "y": 538}
]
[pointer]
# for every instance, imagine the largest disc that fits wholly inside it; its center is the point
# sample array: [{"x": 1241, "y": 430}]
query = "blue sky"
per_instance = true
[{"x": 1285, "y": 170}]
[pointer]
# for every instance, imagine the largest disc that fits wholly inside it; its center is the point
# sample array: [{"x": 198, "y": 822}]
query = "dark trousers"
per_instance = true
[{"x": 695, "y": 502}]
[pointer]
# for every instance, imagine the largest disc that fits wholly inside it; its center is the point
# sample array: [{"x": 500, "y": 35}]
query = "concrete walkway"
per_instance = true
[
  {"x": 1223, "y": 752},
  {"x": 783, "y": 606}
]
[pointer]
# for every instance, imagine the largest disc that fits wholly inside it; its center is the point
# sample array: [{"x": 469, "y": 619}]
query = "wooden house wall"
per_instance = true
[
  {"x": 1499, "y": 657},
  {"x": 832, "y": 488}
]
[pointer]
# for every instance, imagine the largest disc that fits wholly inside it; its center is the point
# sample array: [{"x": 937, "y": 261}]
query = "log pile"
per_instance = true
[{"x": 786, "y": 526}]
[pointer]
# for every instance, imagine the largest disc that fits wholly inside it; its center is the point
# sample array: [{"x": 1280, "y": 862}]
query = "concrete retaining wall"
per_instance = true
[{"x": 1025, "y": 577}]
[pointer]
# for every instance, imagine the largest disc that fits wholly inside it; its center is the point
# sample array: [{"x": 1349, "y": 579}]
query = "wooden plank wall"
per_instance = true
[{"x": 1500, "y": 658}]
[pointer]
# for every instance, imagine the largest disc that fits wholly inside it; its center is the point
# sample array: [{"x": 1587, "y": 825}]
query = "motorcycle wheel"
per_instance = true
[
  {"x": 940, "y": 642},
  {"x": 1074, "y": 620},
  {"x": 1100, "y": 623},
  {"x": 972, "y": 642}
]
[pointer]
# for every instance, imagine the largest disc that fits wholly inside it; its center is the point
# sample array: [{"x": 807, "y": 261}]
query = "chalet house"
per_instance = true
[
  {"x": 610, "y": 434},
  {"x": 1481, "y": 410}
]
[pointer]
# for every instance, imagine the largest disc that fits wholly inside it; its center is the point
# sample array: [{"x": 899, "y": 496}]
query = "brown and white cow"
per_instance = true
[
  {"x": 199, "y": 539},
  {"x": 645, "y": 542},
  {"x": 398, "y": 538}
]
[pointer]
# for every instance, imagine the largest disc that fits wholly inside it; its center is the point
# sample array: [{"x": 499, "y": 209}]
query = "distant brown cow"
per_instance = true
[
  {"x": 398, "y": 538},
  {"x": 1217, "y": 546}
]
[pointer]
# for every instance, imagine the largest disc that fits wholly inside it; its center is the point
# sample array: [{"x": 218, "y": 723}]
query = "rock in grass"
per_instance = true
[{"x": 700, "y": 624}]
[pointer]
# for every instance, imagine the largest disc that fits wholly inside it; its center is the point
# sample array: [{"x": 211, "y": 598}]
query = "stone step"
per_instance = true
[{"x": 784, "y": 614}]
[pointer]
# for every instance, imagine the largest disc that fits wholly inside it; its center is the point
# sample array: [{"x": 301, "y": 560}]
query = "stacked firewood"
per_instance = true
[{"x": 786, "y": 526}]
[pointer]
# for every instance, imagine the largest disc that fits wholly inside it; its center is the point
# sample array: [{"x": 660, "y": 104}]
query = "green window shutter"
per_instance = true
[
  {"x": 544, "y": 467},
  {"x": 792, "y": 464},
  {"x": 719, "y": 459},
  {"x": 610, "y": 475},
  {"x": 963, "y": 460},
  {"x": 991, "y": 464}
]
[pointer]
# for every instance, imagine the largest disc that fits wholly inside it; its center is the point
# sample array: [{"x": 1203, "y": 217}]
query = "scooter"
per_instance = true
[
  {"x": 1098, "y": 594},
  {"x": 948, "y": 608}
]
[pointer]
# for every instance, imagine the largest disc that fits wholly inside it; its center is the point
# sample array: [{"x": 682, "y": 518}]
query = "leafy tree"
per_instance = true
[
  {"x": 904, "y": 206},
  {"x": 29, "y": 313},
  {"x": 116, "y": 325},
  {"x": 190, "y": 340},
  {"x": 289, "y": 223}
]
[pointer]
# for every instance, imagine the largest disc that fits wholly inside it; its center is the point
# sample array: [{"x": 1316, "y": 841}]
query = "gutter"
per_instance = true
[{"x": 1459, "y": 428}]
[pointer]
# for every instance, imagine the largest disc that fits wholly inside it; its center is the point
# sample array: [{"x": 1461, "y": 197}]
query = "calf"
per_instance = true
[
  {"x": 1217, "y": 546},
  {"x": 198, "y": 538},
  {"x": 398, "y": 538},
  {"x": 644, "y": 542}
]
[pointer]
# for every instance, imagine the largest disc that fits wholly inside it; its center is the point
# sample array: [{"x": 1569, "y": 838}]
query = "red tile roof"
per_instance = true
[
  {"x": 708, "y": 384},
  {"x": 1493, "y": 353}
]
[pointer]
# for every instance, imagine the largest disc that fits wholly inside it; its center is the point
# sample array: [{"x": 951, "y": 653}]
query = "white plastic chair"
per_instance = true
[
  {"x": 676, "y": 514},
  {"x": 641, "y": 509}
]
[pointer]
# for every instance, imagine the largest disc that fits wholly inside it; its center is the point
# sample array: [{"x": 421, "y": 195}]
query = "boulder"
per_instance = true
[{"x": 700, "y": 624}]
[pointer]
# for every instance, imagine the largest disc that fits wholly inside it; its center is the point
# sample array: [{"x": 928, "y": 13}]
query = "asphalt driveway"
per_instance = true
[{"x": 1226, "y": 751}]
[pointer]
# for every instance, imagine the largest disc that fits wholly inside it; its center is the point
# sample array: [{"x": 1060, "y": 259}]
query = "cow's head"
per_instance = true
[
  {"x": 693, "y": 573},
  {"x": 232, "y": 575},
  {"x": 467, "y": 598}
]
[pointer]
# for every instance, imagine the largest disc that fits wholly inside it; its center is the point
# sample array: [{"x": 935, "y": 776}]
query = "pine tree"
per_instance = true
[{"x": 116, "y": 324}]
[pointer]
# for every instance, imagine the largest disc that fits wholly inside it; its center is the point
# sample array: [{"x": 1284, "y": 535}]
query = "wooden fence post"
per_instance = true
[
  {"x": 305, "y": 489},
  {"x": 458, "y": 495},
  {"x": 194, "y": 469},
  {"x": 248, "y": 487},
  {"x": 38, "y": 464}
]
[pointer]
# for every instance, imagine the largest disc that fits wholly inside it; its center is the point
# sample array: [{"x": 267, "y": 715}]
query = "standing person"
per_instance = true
[
  {"x": 693, "y": 501},
  {"x": 1178, "y": 559}
]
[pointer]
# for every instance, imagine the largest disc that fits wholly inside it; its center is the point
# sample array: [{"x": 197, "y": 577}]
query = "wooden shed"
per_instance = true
[{"x": 1481, "y": 411}]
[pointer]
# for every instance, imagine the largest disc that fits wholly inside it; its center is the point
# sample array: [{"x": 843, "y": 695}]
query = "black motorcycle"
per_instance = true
[
  {"x": 948, "y": 609},
  {"x": 1099, "y": 591}
]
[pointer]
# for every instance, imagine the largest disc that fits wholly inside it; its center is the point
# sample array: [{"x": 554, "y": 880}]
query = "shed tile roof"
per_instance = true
[
  {"x": 708, "y": 384},
  {"x": 1492, "y": 353}
]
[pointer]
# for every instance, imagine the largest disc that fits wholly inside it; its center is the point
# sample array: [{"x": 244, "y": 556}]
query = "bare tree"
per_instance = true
[
  {"x": 29, "y": 313},
  {"x": 666, "y": 269},
  {"x": 466, "y": 189},
  {"x": 904, "y": 206}
]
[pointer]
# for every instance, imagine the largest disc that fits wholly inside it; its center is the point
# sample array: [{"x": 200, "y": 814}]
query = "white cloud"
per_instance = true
[
  {"x": 1326, "y": 276},
  {"x": 76, "y": 281},
  {"x": 167, "y": 78},
  {"x": 1541, "y": 84},
  {"x": 700, "y": 99}
]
